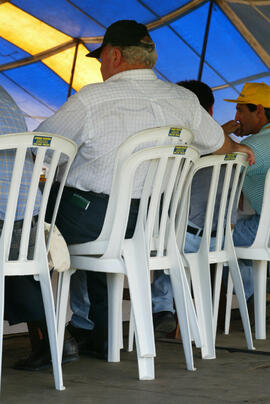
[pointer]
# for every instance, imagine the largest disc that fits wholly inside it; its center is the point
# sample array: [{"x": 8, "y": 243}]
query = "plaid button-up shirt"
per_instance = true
[{"x": 12, "y": 121}]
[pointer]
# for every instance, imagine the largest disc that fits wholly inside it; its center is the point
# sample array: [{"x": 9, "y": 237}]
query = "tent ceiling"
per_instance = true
[{"x": 43, "y": 45}]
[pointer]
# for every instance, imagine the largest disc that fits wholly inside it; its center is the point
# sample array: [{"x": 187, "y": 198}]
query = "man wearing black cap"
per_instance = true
[{"x": 99, "y": 118}]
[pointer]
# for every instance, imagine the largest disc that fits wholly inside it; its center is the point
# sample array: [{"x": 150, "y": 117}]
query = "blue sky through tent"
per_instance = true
[
  {"x": 62, "y": 16},
  {"x": 174, "y": 56},
  {"x": 10, "y": 52},
  {"x": 42, "y": 82},
  {"x": 261, "y": 26},
  {"x": 107, "y": 11},
  {"x": 228, "y": 52},
  {"x": 164, "y": 7}
]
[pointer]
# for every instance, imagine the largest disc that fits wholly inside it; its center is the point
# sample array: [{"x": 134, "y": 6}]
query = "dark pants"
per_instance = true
[
  {"x": 80, "y": 219},
  {"x": 23, "y": 301}
]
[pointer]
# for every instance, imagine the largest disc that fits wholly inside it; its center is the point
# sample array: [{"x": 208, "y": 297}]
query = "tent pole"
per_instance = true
[
  {"x": 205, "y": 39},
  {"x": 73, "y": 67}
]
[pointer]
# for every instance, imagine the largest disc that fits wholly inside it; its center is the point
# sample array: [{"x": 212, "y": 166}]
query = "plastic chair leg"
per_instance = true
[
  {"x": 115, "y": 284},
  {"x": 239, "y": 290},
  {"x": 61, "y": 306},
  {"x": 182, "y": 311},
  {"x": 193, "y": 321},
  {"x": 45, "y": 283},
  {"x": 201, "y": 283},
  {"x": 146, "y": 368},
  {"x": 216, "y": 294},
  {"x": 140, "y": 295},
  {"x": 2, "y": 302},
  {"x": 229, "y": 298},
  {"x": 260, "y": 275},
  {"x": 131, "y": 331}
]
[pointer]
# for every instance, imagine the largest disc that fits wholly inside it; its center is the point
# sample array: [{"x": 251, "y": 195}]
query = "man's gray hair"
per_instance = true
[{"x": 136, "y": 55}]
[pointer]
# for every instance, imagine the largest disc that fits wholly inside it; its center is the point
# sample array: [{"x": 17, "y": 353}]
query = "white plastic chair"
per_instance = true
[
  {"x": 199, "y": 262},
  {"x": 120, "y": 256},
  {"x": 259, "y": 253},
  {"x": 38, "y": 265}
]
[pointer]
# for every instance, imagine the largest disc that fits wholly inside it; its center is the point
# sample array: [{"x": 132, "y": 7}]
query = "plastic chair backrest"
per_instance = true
[
  {"x": 40, "y": 142},
  {"x": 180, "y": 161},
  {"x": 146, "y": 138},
  {"x": 228, "y": 171},
  {"x": 262, "y": 239}
]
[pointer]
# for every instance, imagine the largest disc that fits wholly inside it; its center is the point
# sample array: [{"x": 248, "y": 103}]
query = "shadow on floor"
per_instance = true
[{"x": 235, "y": 376}]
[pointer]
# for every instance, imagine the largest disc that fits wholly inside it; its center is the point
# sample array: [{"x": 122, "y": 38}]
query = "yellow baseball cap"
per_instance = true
[{"x": 254, "y": 93}]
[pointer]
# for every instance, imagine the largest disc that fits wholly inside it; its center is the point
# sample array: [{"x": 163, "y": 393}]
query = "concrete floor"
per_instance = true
[{"x": 233, "y": 377}]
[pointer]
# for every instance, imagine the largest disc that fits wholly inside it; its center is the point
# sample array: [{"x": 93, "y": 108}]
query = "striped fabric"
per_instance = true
[
  {"x": 254, "y": 182},
  {"x": 12, "y": 121}
]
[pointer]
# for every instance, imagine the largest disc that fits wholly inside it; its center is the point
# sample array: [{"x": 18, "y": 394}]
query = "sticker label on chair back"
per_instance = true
[
  {"x": 230, "y": 156},
  {"x": 175, "y": 132},
  {"x": 42, "y": 141},
  {"x": 180, "y": 150}
]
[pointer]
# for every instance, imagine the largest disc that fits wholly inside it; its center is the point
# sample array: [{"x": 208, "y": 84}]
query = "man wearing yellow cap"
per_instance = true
[{"x": 253, "y": 115}]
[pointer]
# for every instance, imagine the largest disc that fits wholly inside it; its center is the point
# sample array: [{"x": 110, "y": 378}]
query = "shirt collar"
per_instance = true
[
  {"x": 135, "y": 74},
  {"x": 266, "y": 126}
]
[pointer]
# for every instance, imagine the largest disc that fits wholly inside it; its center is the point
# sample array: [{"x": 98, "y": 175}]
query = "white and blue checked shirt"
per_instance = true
[
  {"x": 12, "y": 121},
  {"x": 253, "y": 187},
  {"x": 101, "y": 116}
]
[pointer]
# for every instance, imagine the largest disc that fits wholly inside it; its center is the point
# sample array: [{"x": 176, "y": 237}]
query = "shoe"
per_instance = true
[
  {"x": 164, "y": 322},
  {"x": 41, "y": 359},
  {"x": 90, "y": 342},
  {"x": 96, "y": 345}
]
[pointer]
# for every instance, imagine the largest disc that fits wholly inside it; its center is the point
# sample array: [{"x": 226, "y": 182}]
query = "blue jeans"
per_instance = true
[
  {"x": 162, "y": 294},
  {"x": 79, "y": 301},
  {"x": 244, "y": 234}
]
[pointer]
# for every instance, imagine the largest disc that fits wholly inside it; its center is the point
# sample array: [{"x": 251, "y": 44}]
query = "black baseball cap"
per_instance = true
[{"x": 125, "y": 33}]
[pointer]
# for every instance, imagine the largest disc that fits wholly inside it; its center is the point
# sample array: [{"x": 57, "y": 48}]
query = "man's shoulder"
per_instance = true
[
  {"x": 90, "y": 89},
  {"x": 261, "y": 138}
]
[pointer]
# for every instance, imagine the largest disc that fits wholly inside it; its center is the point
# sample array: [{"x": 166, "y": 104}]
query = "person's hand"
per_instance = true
[
  {"x": 245, "y": 149},
  {"x": 231, "y": 127}
]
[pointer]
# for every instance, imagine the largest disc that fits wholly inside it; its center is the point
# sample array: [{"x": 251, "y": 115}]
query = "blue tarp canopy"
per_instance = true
[{"x": 43, "y": 46}]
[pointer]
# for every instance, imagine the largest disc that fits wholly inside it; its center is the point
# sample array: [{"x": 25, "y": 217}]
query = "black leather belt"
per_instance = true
[
  {"x": 199, "y": 232},
  {"x": 68, "y": 191}
]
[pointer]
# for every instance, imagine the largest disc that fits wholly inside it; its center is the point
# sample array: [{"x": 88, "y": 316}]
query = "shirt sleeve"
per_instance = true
[{"x": 208, "y": 134}]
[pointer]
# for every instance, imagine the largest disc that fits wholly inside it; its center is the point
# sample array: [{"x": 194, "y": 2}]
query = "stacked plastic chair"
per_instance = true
[
  {"x": 259, "y": 253},
  {"x": 58, "y": 147},
  {"x": 233, "y": 167},
  {"x": 167, "y": 168}
]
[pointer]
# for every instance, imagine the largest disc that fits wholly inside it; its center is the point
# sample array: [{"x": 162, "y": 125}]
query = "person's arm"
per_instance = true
[
  {"x": 229, "y": 146},
  {"x": 230, "y": 127}
]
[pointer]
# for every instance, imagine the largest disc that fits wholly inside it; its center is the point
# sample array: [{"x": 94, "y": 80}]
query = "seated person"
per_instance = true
[
  {"x": 20, "y": 291},
  {"x": 162, "y": 295},
  {"x": 99, "y": 118},
  {"x": 253, "y": 116}
]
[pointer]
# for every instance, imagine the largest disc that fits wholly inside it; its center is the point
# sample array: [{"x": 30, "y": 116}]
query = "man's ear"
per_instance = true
[
  {"x": 117, "y": 57},
  {"x": 260, "y": 110}
]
